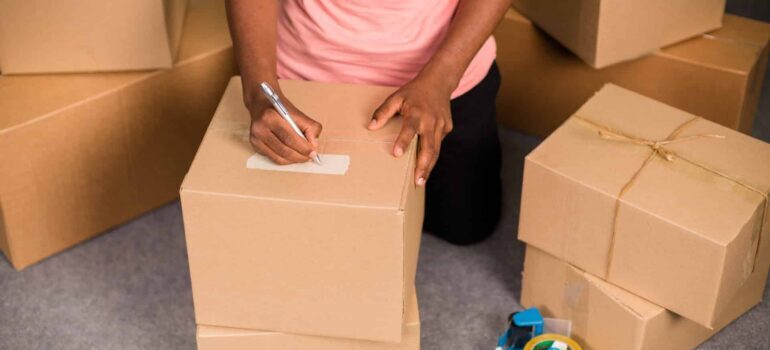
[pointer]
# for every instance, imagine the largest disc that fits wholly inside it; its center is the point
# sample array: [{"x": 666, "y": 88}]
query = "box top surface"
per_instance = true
[
  {"x": 411, "y": 319},
  {"x": 686, "y": 191},
  {"x": 736, "y": 46},
  {"x": 374, "y": 177},
  {"x": 27, "y": 98}
]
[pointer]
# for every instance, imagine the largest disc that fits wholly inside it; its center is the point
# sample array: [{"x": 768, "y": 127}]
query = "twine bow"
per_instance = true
[{"x": 658, "y": 149}]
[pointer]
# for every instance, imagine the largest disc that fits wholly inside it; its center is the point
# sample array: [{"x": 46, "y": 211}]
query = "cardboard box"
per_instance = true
[
  {"x": 607, "y": 317},
  {"x": 296, "y": 249},
  {"x": 221, "y": 338},
  {"x": 80, "y": 154},
  {"x": 717, "y": 76},
  {"x": 667, "y": 205},
  {"x": 605, "y": 32},
  {"x": 51, "y": 36}
]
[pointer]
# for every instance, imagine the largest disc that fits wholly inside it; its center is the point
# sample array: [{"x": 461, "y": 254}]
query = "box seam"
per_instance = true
[{"x": 223, "y": 194}]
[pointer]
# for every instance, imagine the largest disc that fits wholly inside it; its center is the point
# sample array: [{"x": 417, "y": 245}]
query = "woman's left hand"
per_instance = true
[{"x": 424, "y": 105}]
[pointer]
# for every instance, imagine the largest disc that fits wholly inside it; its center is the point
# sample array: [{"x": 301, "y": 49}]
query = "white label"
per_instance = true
[{"x": 331, "y": 164}]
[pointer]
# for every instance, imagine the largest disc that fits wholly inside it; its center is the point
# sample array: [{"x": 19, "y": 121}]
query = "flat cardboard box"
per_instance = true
[
  {"x": 605, "y": 32},
  {"x": 301, "y": 252},
  {"x": 221, "y": 338},
  {"x": 82, "y": 153},
  {"x": 53, "y": 36},
  {"x": 717, "y": 76},
  {"x": 605, "y": 317},
  {"x": 679, "y": 227}
]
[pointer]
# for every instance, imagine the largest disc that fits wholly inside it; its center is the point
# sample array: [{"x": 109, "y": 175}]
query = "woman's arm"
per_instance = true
[
  {"x": 424, "y": 102},
  {"x": 253, "y": 26}
]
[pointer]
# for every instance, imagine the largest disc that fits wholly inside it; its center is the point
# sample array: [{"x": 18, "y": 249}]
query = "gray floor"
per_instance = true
[{"x": 130, "y": 288}]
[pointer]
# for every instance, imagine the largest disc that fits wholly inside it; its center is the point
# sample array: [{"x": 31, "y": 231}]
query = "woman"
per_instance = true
[{"x": 439, "y": 53}]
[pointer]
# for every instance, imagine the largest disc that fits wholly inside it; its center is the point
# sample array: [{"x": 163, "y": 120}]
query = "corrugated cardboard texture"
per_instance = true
[
  {"x": 82, "y": 153},
  {"x": 304, "y": 253},
  {"x": 606, "y": 317},
  {"x": 219, "y": 338},
  {"x": 605, "y": 32},
  {"x": 717, "y": 76},
  {"x": 685, "y": 230},
  {"x": 50, "y": 36}
]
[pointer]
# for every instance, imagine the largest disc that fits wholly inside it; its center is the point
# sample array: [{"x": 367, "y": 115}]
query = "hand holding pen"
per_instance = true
[{"x": 272, "y": 136}]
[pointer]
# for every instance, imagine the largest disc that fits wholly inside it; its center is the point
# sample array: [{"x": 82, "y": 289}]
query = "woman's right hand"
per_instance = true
[{"x": 273, "y": 137}]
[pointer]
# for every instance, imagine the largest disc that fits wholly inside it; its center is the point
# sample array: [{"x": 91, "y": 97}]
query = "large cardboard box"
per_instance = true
[
  {"x": 604, "y": 32},
  {"x": 50, "y": 36},
  {"x": 325, "y": 250},
  {"x": 717, "y": 76},
  {"x": 664, "y": 204},
  {"x": 82, "y": 153},
  {"x": 605, "y": 317},
  {"x": 221, "y": 338}
]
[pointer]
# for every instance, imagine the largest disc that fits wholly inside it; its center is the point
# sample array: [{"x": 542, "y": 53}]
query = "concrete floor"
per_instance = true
[{"x": 130, "y": 288}]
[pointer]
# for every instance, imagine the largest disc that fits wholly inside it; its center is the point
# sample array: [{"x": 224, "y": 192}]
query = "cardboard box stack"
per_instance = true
[
  {"x": 717, "y": 75},
  {"x": 645, "y": 213},
  {"x": 81, "y": 153},
  {"x": 605, "y": 32},
  {"x": 45, "y": 36},
  {"x": 304, "y": 256},
  {"x": 659, "y": 212}
]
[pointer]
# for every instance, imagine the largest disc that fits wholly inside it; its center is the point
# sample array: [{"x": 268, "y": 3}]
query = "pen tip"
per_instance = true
[{"x": 317, "y": 160}]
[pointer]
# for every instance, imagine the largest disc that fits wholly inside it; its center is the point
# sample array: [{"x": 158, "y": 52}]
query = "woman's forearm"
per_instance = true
[
  {"x": 253, "y": 26},
  {"x": 473, "y": 23}
]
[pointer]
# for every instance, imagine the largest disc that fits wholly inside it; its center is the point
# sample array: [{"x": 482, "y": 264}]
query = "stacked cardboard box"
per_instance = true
[
  {"x": 670, "y": 208},
  {"x": 605, "y": 32},
  {"x": 607, "y": 317},
  {"x": 287, "y": 256},
  {"x": 717, "y": 75},
  {"x": 222, "y": 338},
  {"x": 81, "y": 153},
  {"x": 44, "y": 36}
]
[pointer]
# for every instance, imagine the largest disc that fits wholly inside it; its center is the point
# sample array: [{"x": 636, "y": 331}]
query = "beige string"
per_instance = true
[{"x": 658, "y": 150}]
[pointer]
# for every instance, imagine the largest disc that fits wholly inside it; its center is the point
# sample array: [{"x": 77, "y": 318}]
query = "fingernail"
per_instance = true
[
  {"x": 420, "y": 181},
  {"x": 313, "y": 154},
  {"x": 398, "y": 151},
  {"x": 372, "y": 123}
]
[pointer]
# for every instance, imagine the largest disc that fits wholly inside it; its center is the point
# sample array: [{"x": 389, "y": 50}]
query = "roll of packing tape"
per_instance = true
[{"x": 552, "y": 342}]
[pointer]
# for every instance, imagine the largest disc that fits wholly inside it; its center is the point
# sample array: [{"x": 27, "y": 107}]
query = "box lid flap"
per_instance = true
[
  {"x": 736, "y": 46},
  {"x": 374, "y": 177}
]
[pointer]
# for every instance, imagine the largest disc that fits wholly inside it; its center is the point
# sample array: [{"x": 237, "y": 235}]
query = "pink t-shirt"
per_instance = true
[{"x": 381, "y": 42}]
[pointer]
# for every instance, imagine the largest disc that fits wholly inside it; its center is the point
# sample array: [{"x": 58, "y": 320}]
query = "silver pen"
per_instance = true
[{"x": 284, "y": 113}]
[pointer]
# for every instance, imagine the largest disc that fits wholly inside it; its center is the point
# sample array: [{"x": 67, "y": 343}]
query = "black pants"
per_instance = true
[{"x": 463, "y": 193}]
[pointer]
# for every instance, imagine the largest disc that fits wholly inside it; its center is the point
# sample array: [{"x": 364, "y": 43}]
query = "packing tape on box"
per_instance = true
[
  {"x": 331, "y": 164},
  {"x": 732, "y": 41},
  {"x": 551, "y": 342}
]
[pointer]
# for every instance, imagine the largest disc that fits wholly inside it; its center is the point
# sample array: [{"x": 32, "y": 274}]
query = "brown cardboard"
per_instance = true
[
  {"x": 717, "y": 76},
  {"x": 52, "y": 36},
  {"x": 605, "y": 32},
  {"x": 221, "y": 338},
  {"x": 82, "y": 153},
  {"x": 684, "y": 232},
  {"x": 607, "y": 317},
  {"x": 303, "y": 253}
]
